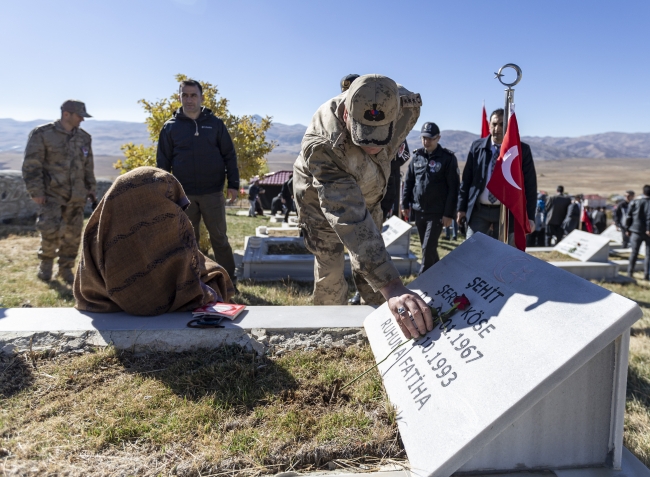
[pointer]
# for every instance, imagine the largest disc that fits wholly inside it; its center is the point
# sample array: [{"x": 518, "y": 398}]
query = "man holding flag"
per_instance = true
[
  {"x": 515, "y": 183},
  {"x": 508, "y": 185}
]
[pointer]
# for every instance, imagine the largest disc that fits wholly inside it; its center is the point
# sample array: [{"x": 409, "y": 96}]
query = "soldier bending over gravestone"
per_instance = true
[{"x": 340, "y": 178}]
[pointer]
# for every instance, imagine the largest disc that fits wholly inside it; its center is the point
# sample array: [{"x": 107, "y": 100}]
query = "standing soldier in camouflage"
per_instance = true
[
  {"x": 58, "y": 172},
  {"x": 339, "y": 180}
]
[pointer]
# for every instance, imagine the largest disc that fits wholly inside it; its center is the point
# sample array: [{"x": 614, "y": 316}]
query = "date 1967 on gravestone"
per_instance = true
[{"x": 531, "y": 375}]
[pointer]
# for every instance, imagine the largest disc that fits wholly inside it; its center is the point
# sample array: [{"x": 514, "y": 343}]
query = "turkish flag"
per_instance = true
[
  {"x": 507, "y": 182},
  {"x": 485, "y": 128}
]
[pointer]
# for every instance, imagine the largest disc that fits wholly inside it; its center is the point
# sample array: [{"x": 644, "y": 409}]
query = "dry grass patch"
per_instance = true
[
  {"x": 553, "y": 256},
  {"x": 18, "y": 266},
  {"x": 230, "y": 410}
]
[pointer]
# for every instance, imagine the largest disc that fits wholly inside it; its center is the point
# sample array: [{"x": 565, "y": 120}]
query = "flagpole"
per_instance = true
[{"x": 509, "y": 99}]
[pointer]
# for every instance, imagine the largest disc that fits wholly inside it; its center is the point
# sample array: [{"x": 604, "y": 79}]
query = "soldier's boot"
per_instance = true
[
  {"x": 355, "y": 300},
  {"x": 45, "y": 270},
  {"x": 66, "y": 275}
]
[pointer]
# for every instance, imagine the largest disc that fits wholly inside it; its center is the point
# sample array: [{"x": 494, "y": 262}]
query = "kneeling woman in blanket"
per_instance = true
[{"x": 139, "y": 252}]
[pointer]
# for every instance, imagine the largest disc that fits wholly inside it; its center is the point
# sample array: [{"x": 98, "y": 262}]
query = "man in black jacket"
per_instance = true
[
  {"x": 195, "y": 146},
  {"x": 287, "y": 197},
  {"x": 620, "y": 216},
  {"x": 390, "y": 202},
  {"x": 572, "y": 219},
  {"x": 638, "y": 229},
  {"x": 430, "y": 191},
  {"x": 475, "y": 203},
  {"x": 556, "y": 209}
]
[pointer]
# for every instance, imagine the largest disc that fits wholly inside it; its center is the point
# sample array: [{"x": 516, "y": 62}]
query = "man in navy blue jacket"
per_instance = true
[
  {"x": 431, "y": 191},
  {"x": 475, "y": 203},
  {"x": 195, "y": 146}
]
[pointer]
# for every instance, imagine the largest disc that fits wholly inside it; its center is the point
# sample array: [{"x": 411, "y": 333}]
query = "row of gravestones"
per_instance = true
[{"x": 17, "y": 206}]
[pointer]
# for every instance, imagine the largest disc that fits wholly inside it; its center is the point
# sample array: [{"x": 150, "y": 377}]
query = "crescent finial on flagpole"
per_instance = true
[{"x": 499, "y": 75}]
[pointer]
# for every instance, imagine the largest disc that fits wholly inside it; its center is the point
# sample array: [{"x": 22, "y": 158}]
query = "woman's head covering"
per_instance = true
[{"x": 139, "y": 252}]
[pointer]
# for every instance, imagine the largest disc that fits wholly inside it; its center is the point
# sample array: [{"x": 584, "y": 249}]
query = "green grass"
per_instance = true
[{"x": 230, "y": 409}]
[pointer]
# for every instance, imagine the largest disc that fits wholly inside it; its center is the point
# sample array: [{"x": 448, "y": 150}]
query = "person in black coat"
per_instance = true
[
  {"x": 638, "y": 229},
  {"x": 196, "y": 147},
  {"x": 430, "y": 192},
  {"x": 277, "y": 204},
  {"x": 390, "y": 202},
  {"x": 556, "y": 209},
  {"x": 287, "y": 197},
  {"x": 620, "y": 216},
  {"x": 475, "y": 203},
  {"x": 600, "y": 220},
  {"x": 572, "y": 219}
]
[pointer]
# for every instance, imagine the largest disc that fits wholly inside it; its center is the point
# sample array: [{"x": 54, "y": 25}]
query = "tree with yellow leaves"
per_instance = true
[{"x": 248, "y": 136}]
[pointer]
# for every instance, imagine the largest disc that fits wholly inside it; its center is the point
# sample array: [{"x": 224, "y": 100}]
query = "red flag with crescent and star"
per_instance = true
[
  {"x": 485, "y": 128},
  {"x": 507, "y": 181}
]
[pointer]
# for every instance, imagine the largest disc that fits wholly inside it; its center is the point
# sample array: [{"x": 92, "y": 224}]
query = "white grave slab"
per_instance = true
[
  {"x": 397, "y": 236},
  {"x": 264, "y": 231},
  {"x": 258, "y": 264},
  {"x": 585, "y": 246},
  {"x": 48, "y": 328},
  {"x": 532, "y": 376},
  {"x": 613, "y": 234}
]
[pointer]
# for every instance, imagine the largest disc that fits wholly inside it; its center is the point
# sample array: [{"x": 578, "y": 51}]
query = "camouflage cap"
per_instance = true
[
  {"x": 373, "y": 106},
  {"x": 74, "y": 106},
  {"x": 347, "y": 80}
]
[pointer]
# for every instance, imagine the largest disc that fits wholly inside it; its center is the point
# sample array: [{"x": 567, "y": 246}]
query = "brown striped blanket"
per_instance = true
[{"x": 139, "y": 253}]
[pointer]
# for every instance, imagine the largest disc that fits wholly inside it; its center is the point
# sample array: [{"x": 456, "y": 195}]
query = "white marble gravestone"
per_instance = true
[
  {"x": 531, "y": 376},
  {"x": 613, "y": 234},
  {"x": 585, "y": 246},
  {"x": 397, "y": 236}
]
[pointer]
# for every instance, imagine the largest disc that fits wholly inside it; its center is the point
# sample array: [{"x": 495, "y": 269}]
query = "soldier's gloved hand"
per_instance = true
[
  {"x": 39, "y": 200},
  {"x": 409, "y": 309}
]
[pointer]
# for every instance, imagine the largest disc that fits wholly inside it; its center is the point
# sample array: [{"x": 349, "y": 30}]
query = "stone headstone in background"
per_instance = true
[
  {"x": 585, "y": 246},
  {"x": 530, "y": 376},
  {"x": 614, "y": 235},
  {"x": 397, "y": 235}
]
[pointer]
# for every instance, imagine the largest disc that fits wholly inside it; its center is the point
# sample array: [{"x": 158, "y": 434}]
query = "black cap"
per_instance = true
[
  {"x": 429, "y": 130},
  {"x": 347, "y": 80}
]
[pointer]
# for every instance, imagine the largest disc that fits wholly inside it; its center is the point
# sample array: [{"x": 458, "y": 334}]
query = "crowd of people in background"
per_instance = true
[{"x": 331, "y": 192}]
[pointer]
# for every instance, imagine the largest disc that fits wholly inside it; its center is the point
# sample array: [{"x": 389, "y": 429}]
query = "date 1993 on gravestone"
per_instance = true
[{"x": 475, "y": 326}]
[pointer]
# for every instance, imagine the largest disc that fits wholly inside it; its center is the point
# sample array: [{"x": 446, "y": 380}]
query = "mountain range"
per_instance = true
[{"x": 108, "y": 136}]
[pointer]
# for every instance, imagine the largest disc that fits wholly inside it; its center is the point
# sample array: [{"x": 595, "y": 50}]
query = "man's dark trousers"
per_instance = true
[
  {"x": 429, "y": 229},
  {"x": 635, "y": 244},
  {"x": 212, "y": 207},
  {"x": 554, "y": 231}
]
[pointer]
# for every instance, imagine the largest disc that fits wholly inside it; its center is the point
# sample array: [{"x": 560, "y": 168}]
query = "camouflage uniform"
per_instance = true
[
  {"x": 59, "y": 166},
  {"x": 338, "y": 190}
]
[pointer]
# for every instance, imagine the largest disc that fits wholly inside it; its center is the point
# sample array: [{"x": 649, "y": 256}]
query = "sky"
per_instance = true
[{"x": 585, "y": 63}]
